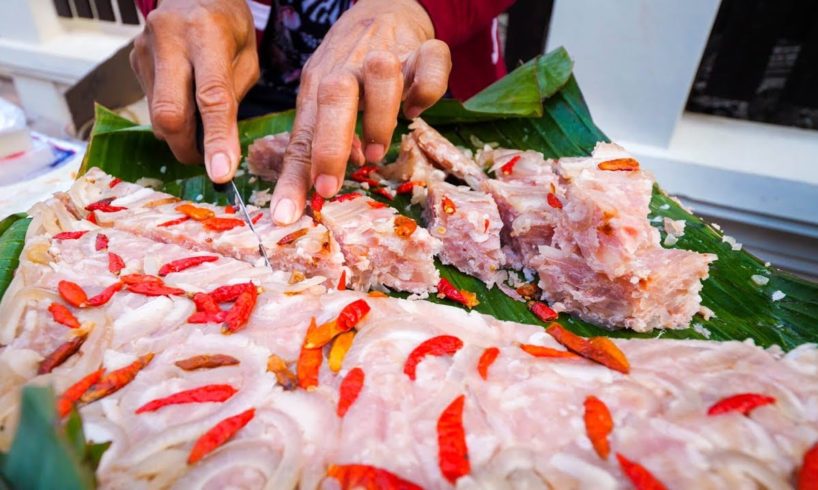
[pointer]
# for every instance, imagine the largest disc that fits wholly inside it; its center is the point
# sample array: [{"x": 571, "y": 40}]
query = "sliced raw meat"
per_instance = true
[
  {"x": 411, "y": 165},
  {"x": 468, "y": 225},
  {"x": 517, "y": 165},
  {"x": 266, "y": 155},
  {"x": 445, "y": 155}
]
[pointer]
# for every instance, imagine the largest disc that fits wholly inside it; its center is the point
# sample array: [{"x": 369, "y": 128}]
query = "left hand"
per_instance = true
[{"x": 378, "y": 53}]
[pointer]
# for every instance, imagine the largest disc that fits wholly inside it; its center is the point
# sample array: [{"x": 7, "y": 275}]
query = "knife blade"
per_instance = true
[{"x": 232, "y": 191}]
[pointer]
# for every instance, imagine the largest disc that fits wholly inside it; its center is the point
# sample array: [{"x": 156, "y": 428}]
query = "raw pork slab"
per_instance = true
[{"x": 445, "y": 155}]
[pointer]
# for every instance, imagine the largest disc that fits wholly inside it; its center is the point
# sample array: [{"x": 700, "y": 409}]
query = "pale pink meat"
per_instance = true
[
  {"x": 411, "y": 165},
  {"x": 517, "y": 165},
  {"x": 266, "y": 155},
  {"x": 470, "y": 233},
  {"x": 445, "y": 155}
]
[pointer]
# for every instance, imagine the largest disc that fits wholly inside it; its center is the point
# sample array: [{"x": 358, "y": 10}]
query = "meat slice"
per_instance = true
[
  {"x": 445, "y": 155},
  {"x": 302, "y": 246},
  {"x": 468, "y": 225},
  {"x": 382, "y": 247},
  {"x": 411, "y": 165},
  {"x": 266, "y": 155},
  {"x": 517, "y": 165}
]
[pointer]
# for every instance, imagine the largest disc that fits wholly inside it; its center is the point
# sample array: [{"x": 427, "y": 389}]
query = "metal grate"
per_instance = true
[{"x": 116, "y": 11}]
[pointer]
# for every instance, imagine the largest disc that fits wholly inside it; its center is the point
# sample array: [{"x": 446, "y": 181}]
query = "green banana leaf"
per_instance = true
[{"x": 538, "y": 106}]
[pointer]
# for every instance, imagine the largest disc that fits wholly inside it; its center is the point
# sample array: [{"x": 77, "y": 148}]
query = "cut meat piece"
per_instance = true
[
  {"x": 266, "y": 155},
  {"x": 445, "y": 155},
  {"x": 662, "y": 292},
  {"x": 302, "y": 246},
  {"x": 380, "y": 246},
  {"x": 468, "y": 224},
  {"x": 411, "y": 165},
  {"x": 517, "y": 165}
]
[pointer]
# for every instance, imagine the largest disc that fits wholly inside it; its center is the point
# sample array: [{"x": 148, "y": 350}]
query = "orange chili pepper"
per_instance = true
[
  {"x": 626, "y": 164},
  {"x": 808, "y": 475},
  {"x": 284, "y": 376},
  {"x": 72, "y": 293},
  {"x": 743, "y": 403},
  {"x": 105, "y": 295},
  {"x": 219, "y": 434},
  {"x": 436, "y": 346},
  {"x": 114, "y": 182},
  {"x": 641, "y": 478},
  {"x": 553, "y": 201},
  {"x": 528, "y": 290},
  {"x": 202, "y": 394},
  {"x": 224, "y": 294},
  {"x": 349, "y": 390},
  {"x": 309, "y": 363},
  {"x": 339, "y": 350},
  {"x": 115, "y": 380},
  {"x": 452, "y": 452},
  {"x": 404, "y": 226},
  {"x": 377, "y": 294},
  {"x": 292, "y": 237},
  {"x": 598, "y": 349},
  {"x": 175, "y": 221},
  {"x": 104, "y": 205},
  {"x": 185, "y": 263},
  {"x": 445, "y": 289},
  {"x": 348, "y": 318},
  {"x": 222, "y": 224},
  {"x": 206, "y": 361},
  {"x": 376, "y": 204},
  {"x": 195, "y": 212},
  {"x": 161, "y": 202},
  {"x": 70, "y": 397},
  {"x": 542, "y": 351},
  {"x": 448, "y": 205},
  {"x": 115, "y": 263},
  {"x": 101, "y": 242},
  {"x": 61, "y": 354},
  {"x": 542, "y": 311},
  {"x": 154, "y": 289},
  {"x": 508, "y": 167},
  {"x": 69, "y": 235},
  {"x": 598, "y": 425},
  {"x": 486, "y": 360},
  {"x": 63, "y": 315},
  {"x": 366, "y": 477},
  {"x": 342, "y": 281},
  {"x": 238, "y": 315}
]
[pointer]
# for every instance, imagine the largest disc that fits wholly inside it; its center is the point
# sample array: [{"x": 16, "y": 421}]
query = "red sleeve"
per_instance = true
[
  {"x": 145, "y": 6},
  {"x": 456, "y": 21}
]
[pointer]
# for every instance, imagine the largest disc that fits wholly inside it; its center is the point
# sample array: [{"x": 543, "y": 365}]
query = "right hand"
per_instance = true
[{"x": 211, "y": 43}]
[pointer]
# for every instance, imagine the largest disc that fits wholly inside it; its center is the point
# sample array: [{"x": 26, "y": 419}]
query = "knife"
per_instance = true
[{"x": 232, "y": 191}]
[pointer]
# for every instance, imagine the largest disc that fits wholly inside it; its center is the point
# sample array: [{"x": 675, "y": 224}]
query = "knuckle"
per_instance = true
[
  {"x": 337, "y": 86},
  {"x": 157, "y": 18},
  {"x": 382, "y": 63},
  {"x": 215, "y": 96},
  {"x": 168, "y": 116}
]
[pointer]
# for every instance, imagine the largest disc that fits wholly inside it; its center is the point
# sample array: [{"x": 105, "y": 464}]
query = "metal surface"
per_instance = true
[{"x": 233, "y": 193}]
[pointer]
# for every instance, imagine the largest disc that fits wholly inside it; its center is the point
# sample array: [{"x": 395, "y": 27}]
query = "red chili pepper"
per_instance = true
[
  {"x": 237, "y": 316},
  {"x": 206, "y": 361},
  {"x": 115, "y": 263},
  {"x": 63, "y": 315},
  {"x": 348, "y": 318},
  {"x": 404, "y": 226},
  {"x": 349, "y": 390},
  {"x": 224, "y": 294},
  {"x": 744, "y": 403},
  {"x": 115, "y": 380},
  {"x": 292, "y": 237},
  {"x": 70, "y": 235},
  {"x": 598, "y": 425},
  {"x": 72, "y": 293},
  {"x": 229, "y": 209},
  {"x": 309, "y": 363},
  {"x": 202, "y": 394},
  {"x": 486, "y": 224},
  {"x": 352, "y": 314},
  {"x": 641, "y": 478},
  {"x": 195, "y": 212},
  {"x": 61, "y": 354},
  {"x": 627, "y": 164},
  {"x": 407, "y": 187},
  {"x": 92, "y": 217},
  {"x": 347, "y": 197},
  {"x": 448, "y": 205},
  {"x": 808, "y": 475},
  {"x": 362, "y": 175},
  {"x": 376, "y": 204},
  {"x": 445, "y": 289},
  {"x": 366, "y": 477},
  {"x": 105, "y": 295},
  {"x": 200, "y": 317},
  {"x": 316, "y": 203},
  {"x": 114, "y": 182},
  {"x": 175, "y": 221},
  {"x": 219, "y": 434},
  {"x": 383, "y": 191},
  {"x": 104, "y": 205},
  {"x": 154, "y": 289},
  {"x": 554, "y": 201},
  {"x": 186, "y": 263},
  {"x": 222, "y": 224},
  {"x": 342, "y": 281},
  {"x": 140, "y": 279},
  {"x": 72, "y": 395},
  {"x": 528, "y": 290},
  {"x": 542, "y": 311},
  {"x": 508, "y": 167},
  {"x": 101, "y": 242},
  {"x": 436, "y": 346},
  {"x": 597, "y": 349},
  {"x": 542, "y": 351},
  {"x": 257, "y": 217},
  {"x": 205, "y": 303},
  {"x": 486, "y": 360},
  {"x": 452, "y": 452}
]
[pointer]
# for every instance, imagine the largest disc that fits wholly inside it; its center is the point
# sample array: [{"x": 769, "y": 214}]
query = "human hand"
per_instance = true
[
  {"x": 378, "y": 53},
  {"x": 209, "y": 44}
]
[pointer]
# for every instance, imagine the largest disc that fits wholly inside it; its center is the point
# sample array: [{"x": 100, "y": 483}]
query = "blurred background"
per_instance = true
[{"x": 718, "y": 98}]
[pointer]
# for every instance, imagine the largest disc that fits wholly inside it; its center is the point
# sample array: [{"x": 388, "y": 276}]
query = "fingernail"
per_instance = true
[
  {"x": 219, "y": 166},
  {"x": 413, "y": 112},
  {"x": 374, "y": 152},
  {"x": 284, "y": 212},
  {"x": 326, "y": 185}
]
